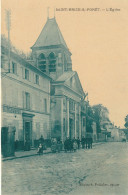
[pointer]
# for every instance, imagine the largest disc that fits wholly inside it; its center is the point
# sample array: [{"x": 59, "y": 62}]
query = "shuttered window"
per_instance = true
[
  {"x": 37, "y": 79},
  {"x": 14, "y": 68},
  {"x": 26, "y": 100},
  {"x": 26, "y": 74}
]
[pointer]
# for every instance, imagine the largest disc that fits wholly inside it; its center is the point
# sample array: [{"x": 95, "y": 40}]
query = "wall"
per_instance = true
[{"x": 13, "y": 88}]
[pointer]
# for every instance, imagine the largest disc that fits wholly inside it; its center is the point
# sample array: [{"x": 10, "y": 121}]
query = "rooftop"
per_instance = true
[{"x": 50, "y": 35}]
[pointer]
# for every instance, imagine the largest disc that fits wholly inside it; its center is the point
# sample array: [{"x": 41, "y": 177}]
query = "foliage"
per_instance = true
[
  {"x": 4, "y": 42},
  {"x": 100, "y": 114},
  {"x": 126, "y": 121},
  {"x": 97, "y": 116},
  {"x": 89, "y": 119}
]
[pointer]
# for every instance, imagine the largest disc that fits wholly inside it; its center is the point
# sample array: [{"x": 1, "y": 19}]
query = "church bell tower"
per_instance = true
[{"x": 50, "y": 52}]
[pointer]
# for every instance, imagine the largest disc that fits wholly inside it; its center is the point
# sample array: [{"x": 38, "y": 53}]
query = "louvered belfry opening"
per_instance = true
[
  {"x": 42, "y": 62},
  {"x": 54, "y": 57},
  {"x": 52, "y": 62}
]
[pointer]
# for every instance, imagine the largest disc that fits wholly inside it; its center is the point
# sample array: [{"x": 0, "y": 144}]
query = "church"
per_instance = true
[
  {"x": 42, "y": 95},
  {"x": 67, "y": 105}
]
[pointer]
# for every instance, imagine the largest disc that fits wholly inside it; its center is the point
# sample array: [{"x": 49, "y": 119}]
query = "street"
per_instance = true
[{"x": 102, "y": 170}]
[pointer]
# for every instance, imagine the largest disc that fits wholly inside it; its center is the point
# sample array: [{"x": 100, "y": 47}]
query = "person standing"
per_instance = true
[
  {"x": 70, "y": 144},
  {"x": 86, "y": 142},
  {"x": 78, "y": 142},
  {"x": 41, "y": 146},
  {"x": 41, "y": 140},
  {"x": 91, "y": 140},
  {"x": 66, "y": 144},
  {"x": 75, "y": 146},
  {"x": 83, "y": 142}
]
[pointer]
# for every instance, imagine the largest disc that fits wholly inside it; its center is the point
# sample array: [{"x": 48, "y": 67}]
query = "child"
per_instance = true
[{"x": 40, "y": 148}]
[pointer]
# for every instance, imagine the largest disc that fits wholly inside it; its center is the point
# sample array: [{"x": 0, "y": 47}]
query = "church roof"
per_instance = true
[
  {"x": 65, "y": 78},
  {"x": 66, "y": 75},
  {"x": 50, "y": 35}
]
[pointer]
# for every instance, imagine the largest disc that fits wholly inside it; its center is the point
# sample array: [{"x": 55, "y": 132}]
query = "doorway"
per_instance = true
[
  {"x": 27, "y": 134},
  {"x": 27, "y": 130},
  {"x": 27, "y": 127}
]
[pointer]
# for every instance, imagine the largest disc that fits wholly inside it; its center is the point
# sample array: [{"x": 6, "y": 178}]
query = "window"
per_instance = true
[
  {"x": 45, "y": 105},
  {"x": 42, "y": 62},
  {"x": 52, "y": 62},
  {"x": 27, "y": 100},
  {"x": 14, "y": 68},
  {"x": 37, "y": 79},
  {"x": 26, "y": 74}
]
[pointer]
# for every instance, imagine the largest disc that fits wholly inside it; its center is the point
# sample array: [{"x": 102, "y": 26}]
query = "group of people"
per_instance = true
[
  {"x": 86, "y": 142},
  {"x": 69, "y": 144},
  {"x": 74, "y": 144}
]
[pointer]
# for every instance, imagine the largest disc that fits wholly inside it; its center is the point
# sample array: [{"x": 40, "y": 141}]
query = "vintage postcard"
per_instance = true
[{"x": 64, "y": 97}]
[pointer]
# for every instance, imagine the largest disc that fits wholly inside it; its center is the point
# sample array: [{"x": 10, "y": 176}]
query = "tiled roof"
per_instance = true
[{"x": 50, "y": 35}]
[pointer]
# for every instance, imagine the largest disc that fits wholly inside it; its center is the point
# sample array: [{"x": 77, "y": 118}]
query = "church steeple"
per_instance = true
[
  {"x": 50, "y": 50},
  {"x": 50, "y": 35}
]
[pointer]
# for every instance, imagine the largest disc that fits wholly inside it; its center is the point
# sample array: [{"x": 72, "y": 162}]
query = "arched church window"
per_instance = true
[
  {"x": 52, "y": 62},
  {"x": 42, "y": 62}
]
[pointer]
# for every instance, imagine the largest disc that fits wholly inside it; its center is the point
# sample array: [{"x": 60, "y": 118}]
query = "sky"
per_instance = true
[{"x": 98, "y": 41}]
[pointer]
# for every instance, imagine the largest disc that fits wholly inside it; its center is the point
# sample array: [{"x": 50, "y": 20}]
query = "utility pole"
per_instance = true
[
  {"x": 8, "y": 25},
  {"x": 54, "y": 12}
]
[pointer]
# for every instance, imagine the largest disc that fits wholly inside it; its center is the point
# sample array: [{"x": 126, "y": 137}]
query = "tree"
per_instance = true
[
  {"x": 97, "y": 117},
  {"x": 100, "y": 116},
  {"x": 126, "y": 122},
  {"x": 4, "y": 42},
  {"x": 89, "y": 119}
]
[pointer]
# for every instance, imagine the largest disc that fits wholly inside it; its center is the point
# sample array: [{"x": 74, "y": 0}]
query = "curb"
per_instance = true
[{"x": 25, "y": 156}]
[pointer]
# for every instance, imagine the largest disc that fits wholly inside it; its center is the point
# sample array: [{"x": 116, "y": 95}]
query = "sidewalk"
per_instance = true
[{"x": 24, "y": 154}]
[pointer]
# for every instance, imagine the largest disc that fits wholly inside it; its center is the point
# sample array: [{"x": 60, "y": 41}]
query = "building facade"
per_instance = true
[
  {"x": 43, "y": 95},
  {"x": 25, "y": 98},
  {"x": 51, "y": 54},
  {"x": 66, "y": 99}
]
